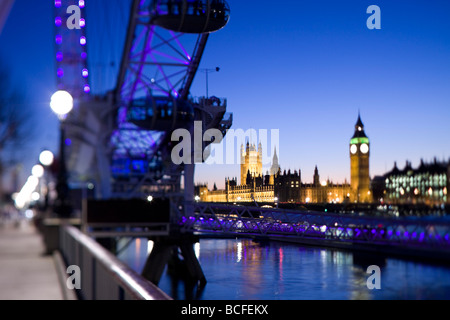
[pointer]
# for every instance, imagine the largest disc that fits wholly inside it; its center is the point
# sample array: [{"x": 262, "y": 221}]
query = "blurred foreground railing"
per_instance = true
[{"x": 103, "y": 276}]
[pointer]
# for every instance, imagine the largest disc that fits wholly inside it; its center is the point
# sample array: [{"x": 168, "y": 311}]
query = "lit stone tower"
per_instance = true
[
  {"x": 251, "y": 160},
  {"x": 275, "y": 168},
  {"x": 359, "y": 165},
  {"x": 275, "y": 165}
]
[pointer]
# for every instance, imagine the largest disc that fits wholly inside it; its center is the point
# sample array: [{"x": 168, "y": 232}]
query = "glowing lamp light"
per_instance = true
[
  {"x": 46, "y": 158},
  {"x": 30, "y": 213},
  {"x": 24, "y": 195},
  {"x": 61, "y": 103},
  {"x": 58, "y": 39},
  {"x": 149, "y": 198},
  {"x": 83, "y": 40},
  {"x": 81, "y": 3},
  {"x": 87, "y": 88},
  {"x": 85, "y": 73},
  {"x": 57, "y": 3},
  {"x": 58, "y": 21},
  {"x": 37, "y": 171},
  {"x": 35, "y": 196},
  {"x": 82, "y": 23},
  {"x": 33, "y": 182}
]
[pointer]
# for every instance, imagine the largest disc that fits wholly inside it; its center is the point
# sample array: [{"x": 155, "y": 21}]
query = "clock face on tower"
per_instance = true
[
  {"x": 353, "y": 148},
  {"x": 364, "y": 148}
]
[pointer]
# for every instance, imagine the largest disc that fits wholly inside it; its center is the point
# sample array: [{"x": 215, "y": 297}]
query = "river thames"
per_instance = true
[{"x": 241, "y": 269}]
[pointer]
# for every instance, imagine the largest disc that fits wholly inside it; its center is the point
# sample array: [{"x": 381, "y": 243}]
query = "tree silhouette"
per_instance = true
[{"x": 16, "y": 129}]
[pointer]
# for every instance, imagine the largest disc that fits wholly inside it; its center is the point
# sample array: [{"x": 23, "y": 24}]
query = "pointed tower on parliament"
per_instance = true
[
  {"x": 359, "y": 165},
  {"x": 251, "y": 161}
]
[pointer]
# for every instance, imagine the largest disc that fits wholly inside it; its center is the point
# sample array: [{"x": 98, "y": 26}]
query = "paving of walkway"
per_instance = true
[{"x": 26, "y": 273}]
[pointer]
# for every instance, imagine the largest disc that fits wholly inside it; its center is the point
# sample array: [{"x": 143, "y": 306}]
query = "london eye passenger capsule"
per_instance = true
[
  {"x": 160, "y": 113},
  {"x": 190, "y": 16}
]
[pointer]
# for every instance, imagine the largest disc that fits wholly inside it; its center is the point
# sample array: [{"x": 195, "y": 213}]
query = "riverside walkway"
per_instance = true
[{"x": 26, "y": 272}]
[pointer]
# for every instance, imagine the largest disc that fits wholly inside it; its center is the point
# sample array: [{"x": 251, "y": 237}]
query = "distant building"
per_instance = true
[
  {"x": 274, "y": 186},
  {"x": 251, "y": 161},
  {"x": 359, "y": 165},
  {"x": 287, "y": 186},
  {"x": 325, "y": 191},
  {"x": 428, "y": 184}
]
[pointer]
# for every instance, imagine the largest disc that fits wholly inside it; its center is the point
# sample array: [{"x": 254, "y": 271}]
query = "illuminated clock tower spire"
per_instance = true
[{"x": 359, "y": 165}]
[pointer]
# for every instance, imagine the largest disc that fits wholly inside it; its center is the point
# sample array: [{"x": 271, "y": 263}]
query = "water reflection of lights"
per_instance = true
[
  {"x": 280, "y": 263},
  {"x": 323, "y": 256},
  {"x": 151, "y": 244},
  {"x": 138, "y": 246},
  {"x": 284, "y": 271},
  {"x": 239, "y": 251}
]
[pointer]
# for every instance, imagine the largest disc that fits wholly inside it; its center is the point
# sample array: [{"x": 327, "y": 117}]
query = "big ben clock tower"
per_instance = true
[{"x": 359, "y": 165}]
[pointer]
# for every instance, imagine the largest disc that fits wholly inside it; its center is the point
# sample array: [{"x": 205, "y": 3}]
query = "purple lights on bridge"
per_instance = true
[{"x": 311, "y": 226}]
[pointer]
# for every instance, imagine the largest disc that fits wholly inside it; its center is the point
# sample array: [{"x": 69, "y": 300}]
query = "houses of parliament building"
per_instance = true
[{"x": 286, "y": 186}]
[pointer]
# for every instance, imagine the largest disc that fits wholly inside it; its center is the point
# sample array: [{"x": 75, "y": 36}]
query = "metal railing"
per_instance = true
[{"x": 103, "y": 276}]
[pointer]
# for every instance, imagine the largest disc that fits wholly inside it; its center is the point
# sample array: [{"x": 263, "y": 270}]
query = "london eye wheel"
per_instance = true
[{"x": 164, "y": 44}]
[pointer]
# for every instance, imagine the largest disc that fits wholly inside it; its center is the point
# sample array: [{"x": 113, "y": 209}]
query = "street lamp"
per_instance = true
[
  {"x": 207, "y": 71},
  {"x": 46, "y": 158},
  {"x": 61, "y": 104},
  {"x": 37, "y": 171}
]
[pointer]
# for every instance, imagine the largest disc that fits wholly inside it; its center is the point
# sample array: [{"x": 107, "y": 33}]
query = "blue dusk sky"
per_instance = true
[{"x": 302, "y": 67}]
